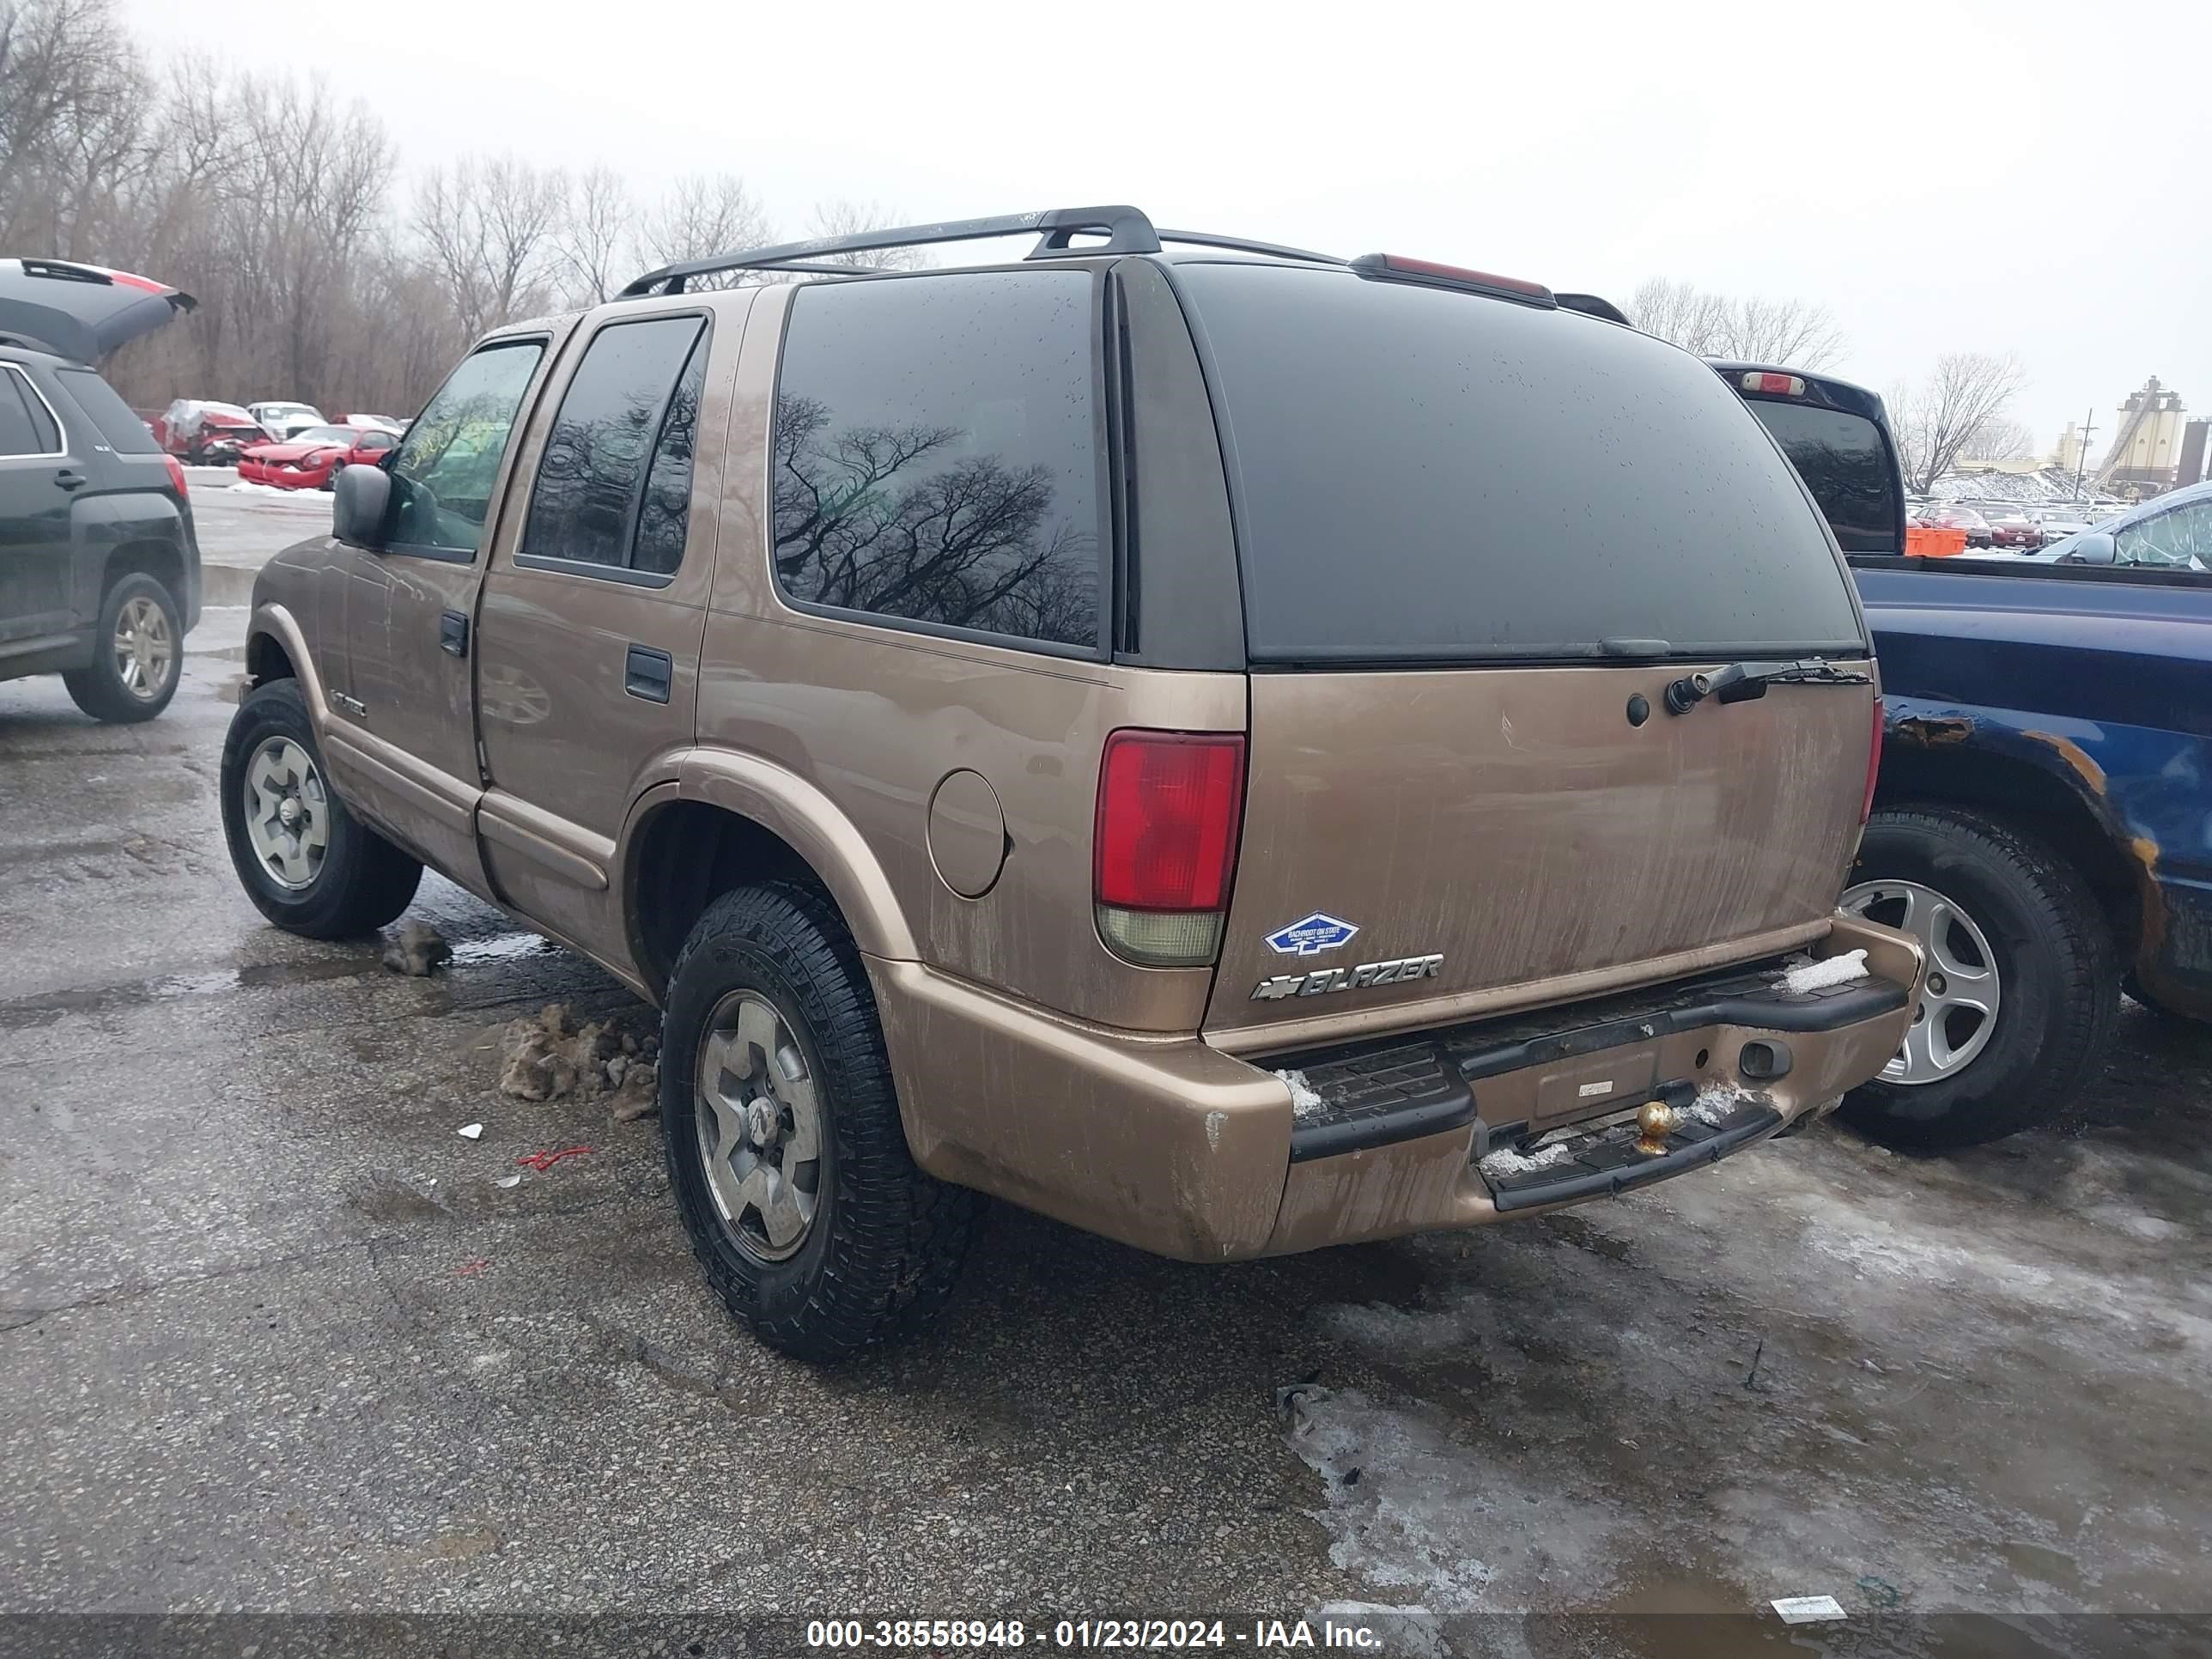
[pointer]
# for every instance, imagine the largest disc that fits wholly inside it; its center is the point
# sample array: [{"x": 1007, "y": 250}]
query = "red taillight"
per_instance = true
[
  {"x": 1785, "y": 385},
  {"x": 1170, "y": 804},
  {"x": 176, "y": 478},
  {"x": 1874, "y": 764}
]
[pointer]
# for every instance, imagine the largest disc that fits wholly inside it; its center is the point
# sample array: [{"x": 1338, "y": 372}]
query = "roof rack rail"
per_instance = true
[
  {"x": 1245, "y": 245},
  {"x": 1125, "y": 230}
]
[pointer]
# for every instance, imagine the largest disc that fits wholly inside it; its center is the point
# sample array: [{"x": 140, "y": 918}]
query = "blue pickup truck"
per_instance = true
[{"x": 2042, "y": 816}]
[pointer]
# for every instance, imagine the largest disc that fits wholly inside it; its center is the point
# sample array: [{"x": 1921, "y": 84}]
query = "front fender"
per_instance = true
[{"x": 275, "y": 621}]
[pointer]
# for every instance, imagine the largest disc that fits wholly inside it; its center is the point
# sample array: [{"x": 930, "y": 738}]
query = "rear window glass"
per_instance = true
[
  {"x": 1845, "y": 464},
  {"x": 1430, "y": 476},
  {"x": 937, "y": 453}
]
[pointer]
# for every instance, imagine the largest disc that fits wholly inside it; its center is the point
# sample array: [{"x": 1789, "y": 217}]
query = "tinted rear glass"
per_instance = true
[
  {"x": 937, "y": 452},
  {"x": 24, "y": 427},
  {"x": 1846, "y": 463},
  {"x": 1430, "y": 476}
]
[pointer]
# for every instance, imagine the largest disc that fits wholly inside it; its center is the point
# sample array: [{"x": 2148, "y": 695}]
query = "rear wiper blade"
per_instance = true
[{"x": 1741, "y": 681}]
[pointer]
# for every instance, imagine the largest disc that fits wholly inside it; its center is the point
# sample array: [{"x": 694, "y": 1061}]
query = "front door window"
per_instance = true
[{"x": 443, "y": 476}]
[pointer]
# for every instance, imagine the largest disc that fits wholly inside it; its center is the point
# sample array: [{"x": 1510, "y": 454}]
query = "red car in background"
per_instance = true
[
  {"x": 1939, "y": 517},
  {"x": 206, "y": 434},
  {"x": 310, "y": 459},
  {"x": 2009, "y": 526}
]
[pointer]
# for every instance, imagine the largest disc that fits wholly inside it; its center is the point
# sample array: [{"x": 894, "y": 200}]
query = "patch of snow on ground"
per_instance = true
[
  {"x": 1414, "y": 1511},
  {"x": 1818, "y": 976},
  {"x": 1304, "y": 1103},
  {"x": 1506, "y": 1162}
]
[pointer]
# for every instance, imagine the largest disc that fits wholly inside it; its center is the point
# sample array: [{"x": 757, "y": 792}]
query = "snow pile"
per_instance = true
[
  {"x": 1505, "y": 1162},
  {"x": 1716, "y": 1105},
  {"x": 1810, "y": 975},
  {"x": 1304, "y": 1103}
]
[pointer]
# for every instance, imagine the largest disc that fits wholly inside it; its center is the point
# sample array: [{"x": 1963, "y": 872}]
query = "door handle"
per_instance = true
[
  {"x": 454, "y": 634},
  {"x": 69, "y": 478},
  {"x": 649, "y": 674}
]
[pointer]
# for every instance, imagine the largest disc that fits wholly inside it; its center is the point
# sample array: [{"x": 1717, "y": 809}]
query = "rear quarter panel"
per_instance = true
[{"x": 873, "y": 719}]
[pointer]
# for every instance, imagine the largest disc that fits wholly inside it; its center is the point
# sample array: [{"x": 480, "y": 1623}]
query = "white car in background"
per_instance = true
[
  {"x": 2172, "y": 531},
  {"x": 282, "y": 421}
]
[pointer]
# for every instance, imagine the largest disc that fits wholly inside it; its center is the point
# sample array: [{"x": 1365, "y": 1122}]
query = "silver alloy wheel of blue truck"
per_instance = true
[{"x": 1964, "y": 991}]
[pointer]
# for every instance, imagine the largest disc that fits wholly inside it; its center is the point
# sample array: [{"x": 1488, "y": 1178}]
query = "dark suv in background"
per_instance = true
[{"x": 100, "y": 572}]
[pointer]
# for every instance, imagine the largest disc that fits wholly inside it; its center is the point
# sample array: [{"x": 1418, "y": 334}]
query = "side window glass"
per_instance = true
[
  {"x": 610, "y": 479},
  {"x": 443, "y": 477},
  {"x": 17, "y": 436},
  {"x": 936, "y": 453},
  {"x": 375, "y": 443},
  {"x": 2174, "y": 537},
  {"x": 665, "y": 514},
  {"x": 26, "y": 428}
]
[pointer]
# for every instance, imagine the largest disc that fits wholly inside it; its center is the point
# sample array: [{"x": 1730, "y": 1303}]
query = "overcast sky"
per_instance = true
[{"x": 1943, "y": 176}]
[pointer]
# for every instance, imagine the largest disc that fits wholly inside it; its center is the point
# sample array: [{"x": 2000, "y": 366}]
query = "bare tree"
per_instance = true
[
  {"x": 846, "y": 218},
  {"x": 1685, "y": 316},
  {"x": 72, "y": 86},
  {"x": 2003, "y": 439},
  {"x": 490, "y": 228},
  {"x": 1937, "y": 421},
  {"x": 701, "y": 216},
  {"x": 594, "y": 243},
  {"x": 1792, "y": 333}
]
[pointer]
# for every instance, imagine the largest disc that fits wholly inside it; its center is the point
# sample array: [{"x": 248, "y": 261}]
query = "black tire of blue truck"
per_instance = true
[
  {"x": 886, "y": 1242},
  {"x": 364, "y": 881},
  {"x": 2057, "y": 960}
]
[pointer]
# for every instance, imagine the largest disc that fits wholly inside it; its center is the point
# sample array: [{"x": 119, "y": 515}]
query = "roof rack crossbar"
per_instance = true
[{"x": 1125, "y": 228}]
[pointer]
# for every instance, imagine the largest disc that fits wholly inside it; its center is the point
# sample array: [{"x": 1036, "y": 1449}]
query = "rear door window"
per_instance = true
[
  {"x": 936, "y": 454},
  {"x": 1845, "y": 462},
  {"x": 26, "y": 428},
  {"x": 1430, "y": 476},
  {"x": 121, "y": 430},
  {"x": 614, "y": 487}
]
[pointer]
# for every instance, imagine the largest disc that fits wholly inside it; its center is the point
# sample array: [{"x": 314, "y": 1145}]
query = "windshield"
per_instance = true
[
  {"x": 1430, "y": 476},
  {"x": 288, "y": 411},
  {"x": 326, "y": 435}
]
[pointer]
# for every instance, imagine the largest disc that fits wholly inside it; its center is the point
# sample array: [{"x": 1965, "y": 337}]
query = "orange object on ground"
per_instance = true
[{"x": 1925, "y": 544}]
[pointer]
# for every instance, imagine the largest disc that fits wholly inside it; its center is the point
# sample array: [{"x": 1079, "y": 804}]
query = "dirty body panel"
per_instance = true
[{"x": 2076, "y": 694}]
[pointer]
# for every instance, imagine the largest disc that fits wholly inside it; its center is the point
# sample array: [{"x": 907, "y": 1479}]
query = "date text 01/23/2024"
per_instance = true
[{"x": 1009, "y": 1635}]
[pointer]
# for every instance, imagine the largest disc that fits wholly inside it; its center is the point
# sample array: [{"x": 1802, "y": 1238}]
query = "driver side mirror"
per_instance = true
[
  {"x": 2092, "y": 547},
  {"x": 359, "y": 500}
]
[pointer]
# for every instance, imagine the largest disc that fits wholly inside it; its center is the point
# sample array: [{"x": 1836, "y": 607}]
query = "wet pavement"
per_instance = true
[{"x": 272, "y": 1336}]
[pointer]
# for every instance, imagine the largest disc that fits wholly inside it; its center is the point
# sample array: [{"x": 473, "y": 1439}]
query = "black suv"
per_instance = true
[{"x": 100, "y": 571}]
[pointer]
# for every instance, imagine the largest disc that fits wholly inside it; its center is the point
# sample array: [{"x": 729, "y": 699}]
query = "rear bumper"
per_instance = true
[{"x": 1172, "y": 1146}]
